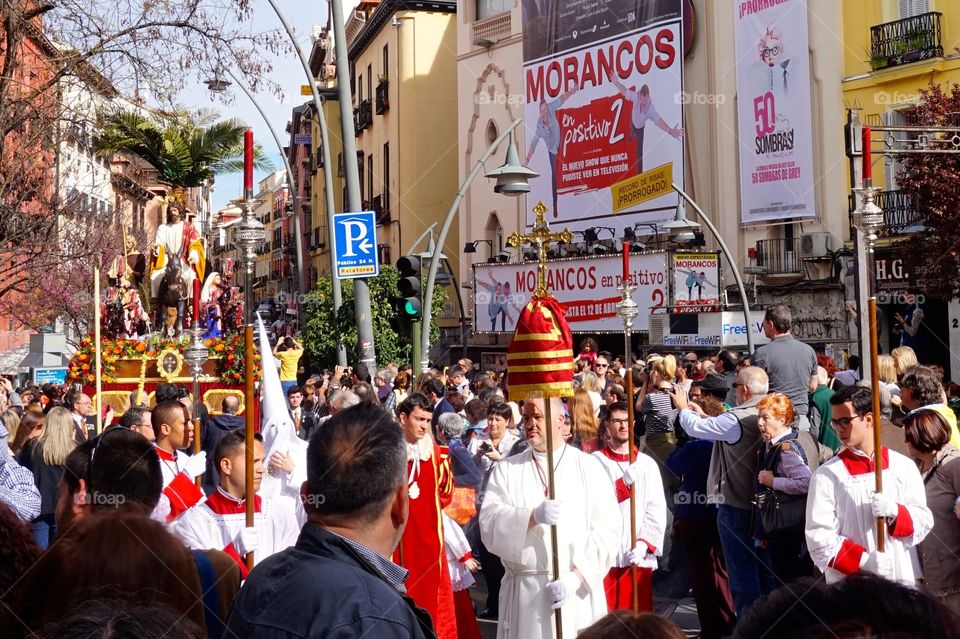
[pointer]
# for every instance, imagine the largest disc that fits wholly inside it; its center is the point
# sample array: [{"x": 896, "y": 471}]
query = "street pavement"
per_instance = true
[{"x": 682, "y": 612}]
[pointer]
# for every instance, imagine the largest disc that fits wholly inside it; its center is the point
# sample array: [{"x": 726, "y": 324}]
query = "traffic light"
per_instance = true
[{"x": 408, "y": 305}]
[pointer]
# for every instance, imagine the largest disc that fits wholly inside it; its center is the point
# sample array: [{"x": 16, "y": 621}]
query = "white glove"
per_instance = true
[
  {"x": 195, "y": 465},
  {"x": 563, "y": 589},
  {"x": 641, "y": 557},
  {"x": 549, "y": 512},
  {"x": 883, "y": 505},
  {"x": 247, "y": 541},
  {"x": 631, "y": 475},
  {"x": 879, "y": 563}
]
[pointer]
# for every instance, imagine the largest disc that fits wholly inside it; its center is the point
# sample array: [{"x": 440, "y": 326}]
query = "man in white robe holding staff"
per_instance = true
[{"x": 550, "y": 512}]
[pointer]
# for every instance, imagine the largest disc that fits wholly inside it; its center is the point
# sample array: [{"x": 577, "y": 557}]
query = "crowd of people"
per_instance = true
[{"x": 751, "y": 484}]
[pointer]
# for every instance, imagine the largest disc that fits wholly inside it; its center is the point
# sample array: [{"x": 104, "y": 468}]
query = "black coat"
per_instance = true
[{"x": 322, "y": 588}]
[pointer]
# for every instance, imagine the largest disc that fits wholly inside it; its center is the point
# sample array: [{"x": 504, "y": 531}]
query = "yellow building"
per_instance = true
[
  {"x": 404, "y": 75},
  {"x": 268, "y": 269},
  {"x": 892, "y": 50}
]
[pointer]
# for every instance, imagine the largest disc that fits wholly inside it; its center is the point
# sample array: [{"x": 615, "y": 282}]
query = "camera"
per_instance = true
[{"x": 486, "y": 447}]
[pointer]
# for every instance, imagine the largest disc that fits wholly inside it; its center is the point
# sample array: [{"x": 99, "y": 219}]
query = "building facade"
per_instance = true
[
  {"x": 403, "y": 73},
  {"x": 892, "y": 51},
  {"x": 491, "y": 96}
]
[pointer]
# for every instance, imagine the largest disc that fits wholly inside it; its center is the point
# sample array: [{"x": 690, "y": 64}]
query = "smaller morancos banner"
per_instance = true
[
  {"x": 773, "y": 110},
  {"x": 586, "y": 286},
  {"x": 696, "y": 282}
]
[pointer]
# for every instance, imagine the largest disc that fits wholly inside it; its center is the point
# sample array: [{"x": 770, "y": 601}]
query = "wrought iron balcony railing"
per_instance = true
[
  {"x": 905, "y": 41},
  {"x": 382, "y": 97},
  {"x": 900, "y": 215},
  {"x": 779, "y": 256}
]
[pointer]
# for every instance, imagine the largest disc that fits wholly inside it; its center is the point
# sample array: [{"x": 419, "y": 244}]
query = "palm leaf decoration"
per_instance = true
[{"x": 187, "y": 148}]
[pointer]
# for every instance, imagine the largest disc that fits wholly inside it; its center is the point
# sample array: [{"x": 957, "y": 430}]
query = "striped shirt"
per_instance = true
[{"x": 658, "y": 412}]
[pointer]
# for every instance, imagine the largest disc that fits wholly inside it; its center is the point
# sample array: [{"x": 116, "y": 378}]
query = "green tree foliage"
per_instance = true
[
  {"x": 931, "y": 179},
  {"x": 187, "y": 148},
  {"x": 323, "y": 329}
]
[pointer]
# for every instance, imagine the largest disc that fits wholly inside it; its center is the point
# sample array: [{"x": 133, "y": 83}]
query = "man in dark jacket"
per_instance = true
[
  {"x": 216, "y": 427},
  {"x": 356, "y": 502}
]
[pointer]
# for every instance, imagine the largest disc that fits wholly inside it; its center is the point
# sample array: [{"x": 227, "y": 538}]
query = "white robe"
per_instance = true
[
  {"x": 588, "y": 540},
  {"x": 651, "y": 504},
  {"x": 201, "y": 528},
  {"x": 456, "y": 547},
  {"x": 170, "y": 236},
  {"x": 839, "y": 515}
]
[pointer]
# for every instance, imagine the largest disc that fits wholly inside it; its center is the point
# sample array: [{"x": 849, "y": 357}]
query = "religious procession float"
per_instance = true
[{"x": 191, "y": 323}]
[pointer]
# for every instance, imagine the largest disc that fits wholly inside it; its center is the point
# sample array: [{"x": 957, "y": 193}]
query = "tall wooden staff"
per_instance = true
[
  {"x": 627, "y": 309},
  {"x": 870, "y": 217},
  {"x": 540, "y": 357},
  {"x": 248, "y": 352},
  {"x": 97, "y": 353}
]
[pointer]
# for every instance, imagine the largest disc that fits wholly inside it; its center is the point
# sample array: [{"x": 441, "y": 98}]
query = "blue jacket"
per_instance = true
[{"x": 322, "y": 588}]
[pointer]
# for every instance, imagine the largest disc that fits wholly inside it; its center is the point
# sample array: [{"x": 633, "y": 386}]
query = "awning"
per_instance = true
[{"x": 10, "y": 360}]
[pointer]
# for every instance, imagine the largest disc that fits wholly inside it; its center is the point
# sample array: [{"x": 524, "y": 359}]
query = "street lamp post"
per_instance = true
[
  {"x": 511, "y": 179},
  {"x": 327, "y": 167},
  {"x": 683, "y": 225}
]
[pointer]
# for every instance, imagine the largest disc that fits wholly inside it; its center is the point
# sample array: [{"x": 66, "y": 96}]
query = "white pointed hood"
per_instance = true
[{"x": 276, "y": 425}]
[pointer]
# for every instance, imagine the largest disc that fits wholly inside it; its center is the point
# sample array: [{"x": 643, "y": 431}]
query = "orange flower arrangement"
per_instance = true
[{"x": 229, "y": 351}]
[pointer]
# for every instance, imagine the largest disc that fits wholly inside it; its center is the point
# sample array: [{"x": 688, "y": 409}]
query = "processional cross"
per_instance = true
[{"x": 540, "y": 237}]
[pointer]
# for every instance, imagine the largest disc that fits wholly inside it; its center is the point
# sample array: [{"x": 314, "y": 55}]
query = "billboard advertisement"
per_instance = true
[
  {"x": 773, "y": 111},
  {"x": 603, "y": 109},
  {"x": 586, "y": 286},
  {"x": 696, "y": 282}
]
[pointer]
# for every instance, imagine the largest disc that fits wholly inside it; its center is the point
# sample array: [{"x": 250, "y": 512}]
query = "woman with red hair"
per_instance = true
[{"x": 784, "y": 477}]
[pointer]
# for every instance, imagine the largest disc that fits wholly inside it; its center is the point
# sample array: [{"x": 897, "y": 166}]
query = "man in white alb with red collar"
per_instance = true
[
  {"x": 220, "y": 522},
  {"x": 644, "y": 476},
  {"x": 174, "y": 431},
  {"x": 842, "y": 505}
]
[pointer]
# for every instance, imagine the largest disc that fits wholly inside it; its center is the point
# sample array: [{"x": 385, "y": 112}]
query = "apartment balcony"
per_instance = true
[
  {"x": 382, "y": 97},
  {"x": 363, "y": 116},
  {"x": 905, "y": 41},
  {"x": 779, "y": 256},
  {"x": 318, "y": 238},
  {"x": 900, "y": 215},
  {"x": 381, "y": 209}
]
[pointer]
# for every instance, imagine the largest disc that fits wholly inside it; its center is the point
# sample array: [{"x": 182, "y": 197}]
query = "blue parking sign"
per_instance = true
[{"x": 355, "y": 245}]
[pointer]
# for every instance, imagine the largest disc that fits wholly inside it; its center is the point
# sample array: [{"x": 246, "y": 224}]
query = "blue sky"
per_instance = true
[{"x": 287, "y": 72}]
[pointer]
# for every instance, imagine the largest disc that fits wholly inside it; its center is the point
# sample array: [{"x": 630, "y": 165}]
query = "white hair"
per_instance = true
[
  {"x": 452, "y": 425},
  {"x": 755, "y": 379}
]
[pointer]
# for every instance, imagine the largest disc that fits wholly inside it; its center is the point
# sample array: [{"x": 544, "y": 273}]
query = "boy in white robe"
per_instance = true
[
  {"x": 644, "y": 476},
  {"x": 842, "y": 505},
  {"x": 515, "y": 522},
  {"x": 220, "y": 522},
  {"x": 174, "y": 431}
]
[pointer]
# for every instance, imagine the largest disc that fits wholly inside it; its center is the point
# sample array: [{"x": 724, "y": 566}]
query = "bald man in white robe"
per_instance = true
[{"x": 515, "y": 521}]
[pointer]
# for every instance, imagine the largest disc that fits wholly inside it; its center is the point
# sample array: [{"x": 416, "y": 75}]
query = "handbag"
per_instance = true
[
  {"x": 781, "y": 515},
  {"x": 463, "y": 505}
]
